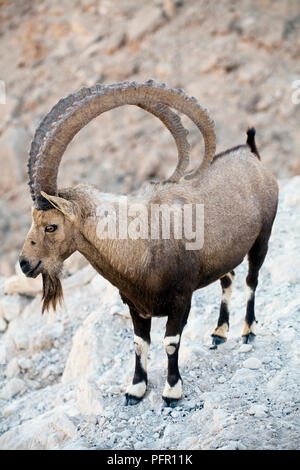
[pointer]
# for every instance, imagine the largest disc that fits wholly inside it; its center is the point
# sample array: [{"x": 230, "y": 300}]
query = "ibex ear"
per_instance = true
[{"x": 61, "y": 204}]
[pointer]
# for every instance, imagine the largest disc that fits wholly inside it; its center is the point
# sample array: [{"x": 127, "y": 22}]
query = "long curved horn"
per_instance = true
[
  {"x": 75, "y": 111},
  {"x": 171, "y": 120}
]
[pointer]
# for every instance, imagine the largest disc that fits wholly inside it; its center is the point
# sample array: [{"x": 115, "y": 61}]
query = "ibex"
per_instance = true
[{"x": 155, "y": 277}]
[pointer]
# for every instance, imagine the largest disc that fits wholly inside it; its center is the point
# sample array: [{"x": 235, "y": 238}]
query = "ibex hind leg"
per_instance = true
[
  {"x": 256, "y": 257},
  {"x": 219, "y": 334}
]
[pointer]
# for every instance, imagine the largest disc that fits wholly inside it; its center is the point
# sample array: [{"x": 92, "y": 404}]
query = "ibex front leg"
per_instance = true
[
  {"x": 173, "y": 388},
  {"x": 137, "y": 389}
]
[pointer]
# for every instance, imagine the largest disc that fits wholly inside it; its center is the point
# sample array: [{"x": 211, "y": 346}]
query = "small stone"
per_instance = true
[
  {"x": 10, "y": 409},
  {"x": 10, "y": 307},
  {"x": 139, "y": 445},
  {"x": 241, "y": 446},
  {"x": 114, "y": 310},
  {"x": 12, "y": 388},
  {"x": 21, "y": 340},
  {"x": 219, "y": 416},
  {"x": 267, "y": 360},
  {"x": 54, "y": 330},
  {"x": 3, "y": 325},
  {"x": 20, "y": 284},
  {"x": 259, "y": 411},
  {"x": 245, "y": 348},
  {"x": 12, "y": 368},
  {"x": 243, "y": 375},
  {"x": 252, "y": 363},
  {"x": 230, "y": 446}
]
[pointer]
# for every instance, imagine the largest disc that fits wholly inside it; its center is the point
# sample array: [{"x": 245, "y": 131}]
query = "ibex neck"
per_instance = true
[{"x": 113, "y": 257}]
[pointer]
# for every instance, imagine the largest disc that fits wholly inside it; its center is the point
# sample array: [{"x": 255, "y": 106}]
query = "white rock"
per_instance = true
[
  {"x": 25, "y": 363},
  {"x": 10, "y": 307},
  {"x": 220, "y": 416},
  {"x": 80, "y": 278},
  {"x": 20, "y": 284},
  {"x": 243, "y": 375},
  {"x": 222, "y": 379},
  {"x": 252, "y": 363},
  {"x": 51, "y": 430},
  {"x": 87, "y": 350},
  {"x": 230, "y": 446},
  {"x": 3, "y": 325},
  {"x": 10, "y": 409},
  {"x": 3, "y": 355},
  {"x": 12, "y": 388},
  {"x": 245, "y": 348},
  {"x": 118, "y": 309},
  {"x": 21, "y": 339},
  {"x": 98, "y": 284},
  {"x": 63, "y": 424},
  {"x": 89, "y": 396},
  {"x": 12, "y": 369},
  {"x": 114, "y": 310},
  {"x": 44, "y": 338},
  {"x": 258, "y": 411},
  {"x": 75, "y": 263}
]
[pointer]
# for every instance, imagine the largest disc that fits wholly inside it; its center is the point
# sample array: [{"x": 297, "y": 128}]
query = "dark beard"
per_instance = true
[{"x": 52, "y": 292}]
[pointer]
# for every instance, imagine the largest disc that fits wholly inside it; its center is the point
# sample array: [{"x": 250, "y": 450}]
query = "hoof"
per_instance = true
[
  {"x": 170, "y": 402},
  {"x": 249, "y": 338},
  {"x": 216, "y": 341},
  {"x": 131, "y": 400}
]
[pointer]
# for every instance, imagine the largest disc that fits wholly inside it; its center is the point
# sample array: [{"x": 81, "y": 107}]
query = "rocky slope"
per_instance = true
[
  {"x": 63, "y": 375},
  {"x": 239, "y": 58}
]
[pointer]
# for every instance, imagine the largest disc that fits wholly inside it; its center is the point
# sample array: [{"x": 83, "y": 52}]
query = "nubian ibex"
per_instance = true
[{"x": 155, "y": 276}]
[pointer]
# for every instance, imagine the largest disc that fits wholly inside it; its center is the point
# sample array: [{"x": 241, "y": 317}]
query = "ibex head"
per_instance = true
[
  {"x": 55, "y": 223},
  {"x": 50, "y": 240}
]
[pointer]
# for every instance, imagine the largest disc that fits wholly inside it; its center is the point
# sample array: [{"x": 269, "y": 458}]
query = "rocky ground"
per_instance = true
[
  {"x": 239, "y": 58},
  {"x": 63, "y": 375}
]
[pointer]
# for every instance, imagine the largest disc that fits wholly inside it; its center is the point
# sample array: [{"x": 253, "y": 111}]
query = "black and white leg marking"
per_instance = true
[
  {"x": 219, "y": 334},
  {"x": 137, "y": 388},
  {"x": 173, "y": 387},
  {"x": 248, "y": 333},
  {"x": 256, "y": 258}
]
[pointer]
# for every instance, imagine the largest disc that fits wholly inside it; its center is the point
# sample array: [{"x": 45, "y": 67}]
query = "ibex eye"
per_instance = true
[{"x": 50, "y": 228}]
